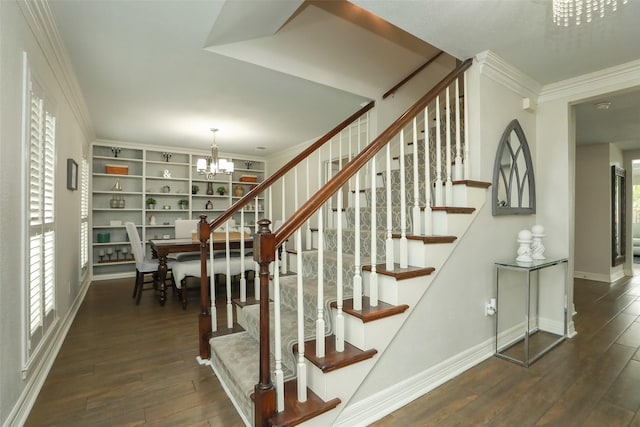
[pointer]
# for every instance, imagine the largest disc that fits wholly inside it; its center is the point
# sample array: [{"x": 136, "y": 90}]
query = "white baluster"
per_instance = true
[
  {"x": 295, "y": 204},
  {"x": 340, "y": 281},
  {"x": 277, "y": 344},
  {"x": 243, "y": 279},
  {"x": 308, "y": 237},
  {"x": 465, "y": 161},
  {"x": 389, "y": 241},
  {"x": 427, "y": 175},
  {"x": 350, "y": 189},
  {"x": 404, "y": 255},
  {"x": 228, "y": 284},
  {"x": 283, "y": 249},
  {"x": 357, "y": 277},
  {"x": 373, "y": 282},
  {"x": 256, "y": 266},
  {"x": 320, "y": 324},
  {"x": 438, "y": 188},
  {"x": 328, "y": 174},
  {"x": 416, "y": 180},
  {"x": 301, "y": 365},
  {"x": 458, "y": 160},
  {"x": 212, "y": 288},
  {"x": 448, "y": 184}
]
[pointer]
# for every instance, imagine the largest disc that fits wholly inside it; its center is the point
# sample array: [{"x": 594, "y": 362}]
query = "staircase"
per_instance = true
[
  {"x": 328, "y": 323},
  {"x": 334, "y": 378}
]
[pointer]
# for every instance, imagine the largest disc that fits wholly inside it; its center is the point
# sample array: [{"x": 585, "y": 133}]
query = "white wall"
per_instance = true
[
  {"x": 593, "y": 213},
  {"x": 449, "y": 321},
  {"x": 17, "y": 35}
]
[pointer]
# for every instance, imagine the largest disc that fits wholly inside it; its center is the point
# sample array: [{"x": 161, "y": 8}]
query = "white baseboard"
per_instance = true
[
  {"x": 571, "y": 330},
  {"x": 375, "y": 407},
  {"x": 379, "y": 405},
  {"x": 607, "y": 278},
  {"x": 22, "y": 408}
]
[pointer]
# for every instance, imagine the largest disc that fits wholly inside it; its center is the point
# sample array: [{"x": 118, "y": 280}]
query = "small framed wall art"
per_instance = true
[{"x": 72, "y": 175}]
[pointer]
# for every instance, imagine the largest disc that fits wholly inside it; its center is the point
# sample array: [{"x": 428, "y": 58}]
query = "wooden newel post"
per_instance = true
[
  {"x": 264, "y": 392},
  {"x": 204, "y": 318}
]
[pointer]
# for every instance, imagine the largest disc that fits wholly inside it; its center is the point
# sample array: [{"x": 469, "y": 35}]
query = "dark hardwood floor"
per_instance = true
[
  {"x": 591, "y": 380},
  {"x": 128, "y": 365}
]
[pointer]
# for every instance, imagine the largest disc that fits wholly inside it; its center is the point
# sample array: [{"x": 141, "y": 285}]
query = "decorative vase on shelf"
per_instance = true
[
  {"x": 117, "y": 186},
  {"x": 209, "y": 188},
  {"x": 239, "y": 191}
]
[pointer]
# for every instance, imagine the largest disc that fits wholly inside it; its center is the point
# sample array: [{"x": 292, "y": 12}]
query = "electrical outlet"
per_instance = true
[{"x": 491, "y": 308}]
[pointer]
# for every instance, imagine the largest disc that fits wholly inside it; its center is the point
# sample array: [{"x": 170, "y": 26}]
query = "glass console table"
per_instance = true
[{"x": 540, "y": 334}]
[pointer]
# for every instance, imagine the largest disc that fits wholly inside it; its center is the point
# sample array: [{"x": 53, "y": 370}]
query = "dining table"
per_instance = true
[{"x": 161, "y": 248}]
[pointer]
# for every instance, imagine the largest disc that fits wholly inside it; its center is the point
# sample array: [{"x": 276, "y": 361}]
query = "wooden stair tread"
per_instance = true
[
  {"x": 471, "y": 183},
  {"x": 249, "y": 301},
  {"x": 334, "y": 360},
  {"x": 369, "y": 313},
  {"x": 452, "y": 209},
  {"x": 401, "y": 273},
  {"x": 295, "y": 251},
  {"x": 222, "y": 331},
  {"x": 427, "y": 239},
  {"x": 298, "y": 412}
]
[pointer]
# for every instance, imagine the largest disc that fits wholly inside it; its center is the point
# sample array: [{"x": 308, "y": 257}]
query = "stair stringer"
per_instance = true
[{"x": 407, "y": 291}]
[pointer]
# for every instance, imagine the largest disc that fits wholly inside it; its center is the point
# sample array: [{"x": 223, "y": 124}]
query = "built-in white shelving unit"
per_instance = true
[{"x": 124, "y": 178}]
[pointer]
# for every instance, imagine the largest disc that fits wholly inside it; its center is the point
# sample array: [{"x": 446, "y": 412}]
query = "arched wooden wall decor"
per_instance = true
[{"x": 514, "y": 187}]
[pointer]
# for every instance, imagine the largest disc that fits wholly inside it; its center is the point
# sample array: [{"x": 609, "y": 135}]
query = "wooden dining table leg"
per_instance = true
[{"x": 162, "y": 277}]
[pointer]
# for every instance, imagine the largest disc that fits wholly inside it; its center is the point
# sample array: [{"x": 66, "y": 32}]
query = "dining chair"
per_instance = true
[
  {"x": 192, "y": 267},
  {"x": 144, "y": 265},
  {"x": 184, "y": 229}
]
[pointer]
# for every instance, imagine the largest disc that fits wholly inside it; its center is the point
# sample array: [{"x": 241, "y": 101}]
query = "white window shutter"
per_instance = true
[
  {"x": 35, "y": 289},
  {"x": 41, "y": 141}
]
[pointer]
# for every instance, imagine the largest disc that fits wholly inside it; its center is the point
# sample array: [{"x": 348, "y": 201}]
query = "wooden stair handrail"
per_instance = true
[
  {"x": 286, "y": 168},
  {"x": 410, "y": 76},
  {"x": 355, "y": 164}
]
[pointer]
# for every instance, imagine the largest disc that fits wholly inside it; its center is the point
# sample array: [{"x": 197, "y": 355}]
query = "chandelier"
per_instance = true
[
  {"x": 581, "y": 10},
  {"x": 213, "y": 164}
]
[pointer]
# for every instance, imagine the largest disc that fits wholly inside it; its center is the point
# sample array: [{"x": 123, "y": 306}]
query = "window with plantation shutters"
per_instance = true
[
  {"x": 41, "y": 140},
  {"x": 84, "y": 214}
]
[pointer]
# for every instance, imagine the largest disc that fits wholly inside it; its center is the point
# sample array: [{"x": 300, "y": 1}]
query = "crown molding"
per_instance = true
[
  {"x": 41, "y": 21},
  {"x": 505, "y": 74},
  {"x": 607, "y": 80}
]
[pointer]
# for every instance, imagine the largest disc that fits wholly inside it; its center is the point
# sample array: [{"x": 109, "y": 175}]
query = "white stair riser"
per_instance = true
[
  {"x": 464, "y": 196},
  {"x": 376, "y": 334},
  {"x": 341, "y": 383},
  {"x": 446, "y": 224},
  {"x": 416, "y": 252},
  {"x": 397, "y": 292}
]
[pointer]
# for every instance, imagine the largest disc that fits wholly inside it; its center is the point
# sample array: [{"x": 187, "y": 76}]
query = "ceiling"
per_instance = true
[{"x": 164, "y": 72}]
